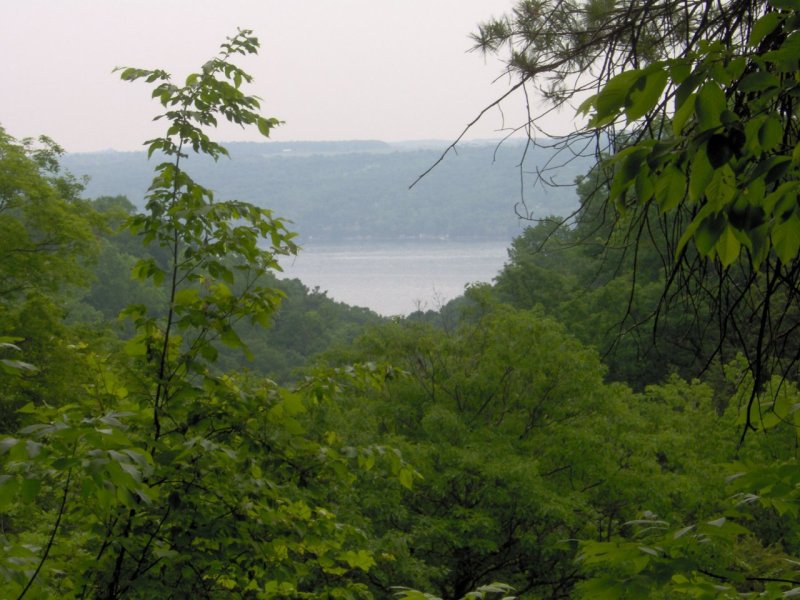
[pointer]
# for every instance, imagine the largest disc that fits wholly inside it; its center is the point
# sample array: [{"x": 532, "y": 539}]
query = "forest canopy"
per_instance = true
[{"x": 520, "y": 442}]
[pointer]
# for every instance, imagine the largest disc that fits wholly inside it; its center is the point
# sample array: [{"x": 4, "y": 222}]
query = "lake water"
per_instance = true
[{"x": 396, "y": 278}]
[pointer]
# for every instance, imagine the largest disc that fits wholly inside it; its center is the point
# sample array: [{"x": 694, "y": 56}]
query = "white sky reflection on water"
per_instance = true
[{"x": 397, "y": 278}]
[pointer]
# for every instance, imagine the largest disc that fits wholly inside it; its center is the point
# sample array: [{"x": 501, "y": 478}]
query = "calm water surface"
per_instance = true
[{"x": 396, "y": 278}]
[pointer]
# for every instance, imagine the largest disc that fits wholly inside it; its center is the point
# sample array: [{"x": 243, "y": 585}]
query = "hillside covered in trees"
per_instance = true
[
  {"x": 334, "y": 191},
  {"x": 614, "y": 417}
]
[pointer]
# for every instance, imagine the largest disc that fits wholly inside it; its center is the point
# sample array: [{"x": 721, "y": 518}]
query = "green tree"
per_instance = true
[
  {"x": 46, "y": 243},
  {"x": 166, "y": 475},
  {"x": 695, "y": 129},
  {"x": 45, "y": 228},
  {"x": 521, "y": 447},
  {"x": 693, "y": 124}
]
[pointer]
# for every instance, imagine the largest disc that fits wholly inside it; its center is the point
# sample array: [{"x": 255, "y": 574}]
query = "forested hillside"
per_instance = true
[
  {"x": 360, "y": 190},
  {"x": 614, "y": 417}
]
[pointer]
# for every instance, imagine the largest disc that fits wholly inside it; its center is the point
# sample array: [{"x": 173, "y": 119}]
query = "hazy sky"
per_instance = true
[{"x": 331, "y": 69}]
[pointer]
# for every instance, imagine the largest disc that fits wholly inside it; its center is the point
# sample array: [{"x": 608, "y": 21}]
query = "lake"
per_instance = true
[{"x": 396, "y": 278}]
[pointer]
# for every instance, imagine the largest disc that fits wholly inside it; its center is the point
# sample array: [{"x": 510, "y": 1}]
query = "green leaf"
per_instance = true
[
  {"x": 645, "y": 93},
  {"x": 786, "y": 239},
  {"x": 30, "y": 489},
  {"x": 645, "y": 189},
  {"x": 265, "y": 125},
  {"x": 361, "y": 559},
  {"x": 587, "y": 105},
  {"x": 187, "y": 297},
  {"x": 722, "y": 187},
  {"x": 708, "y": 233},
  {"x": 679, "y": 69},
  {"x": 709, "y": 104},
  {"x": 758, "y": 81},
  {"x": 787, "y": 56},
  {"x": 705, "y": 212},
  {"x": 771, "y": 133},
  {"x": 136, "y": 346},
  {"x": 612, "y": 97},
  {"x": 627, "y": 171},
  {"x": 129, "y": 74},
  {"x": 728, "y": 247},
  {"x": 670, "y": 188},
  {"x": 766, "y": 25},
  {"x": 682, "y": 114},
  {"x": 230, "y": 338},
  {"x": 700, "y": 176},
  {"x": 779, "y": 200},
  {"x": 406, "y": 477}
]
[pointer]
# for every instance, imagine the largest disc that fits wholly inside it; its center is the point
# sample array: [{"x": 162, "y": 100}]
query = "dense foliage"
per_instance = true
[
  {"x": 694, "y": 119},
  {"x": 156, "y": 472},
  {"x": 524, "y": 434}
]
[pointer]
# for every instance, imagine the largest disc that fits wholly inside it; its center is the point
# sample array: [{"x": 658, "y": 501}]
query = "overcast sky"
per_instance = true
[{"x": 331, "y": 69}]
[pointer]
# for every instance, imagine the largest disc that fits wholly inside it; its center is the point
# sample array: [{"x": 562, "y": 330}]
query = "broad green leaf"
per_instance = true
[
  {"x": 705, "y": 212},
  {"x": 587, "y": 105},
  {"x": 700, "y": 175},
  {"x": 787, "y": 56},
  {"x": 670, "y": 188},
  {"x": 780, "y": 200},
  {"x": 265, "y": 125},
  {"x": 709, "y": 104},
  {"x": 682, "y": 114},
  {"x": 728, "y": 247},
  {"x": 186, "y": 297},
  {"x": 293, "y": 403},
  {"x": 758, "y": 81},
  {"x": 611, "y": 98},
  {"x": 645, "y": 188},
  {"x": 771, "y": 133},
  {"x": 708, "y": 233},
  {"x": 722, "y": 187},
  {"x": 679, "y": 69},
  {"x": 764, "y": 26},
  {"x": 627, "y": 172},
  {"x": 786, "y": 239},
  {"x": 406, "y": 477},
  {"x": 645, "y": 93},
  {"x": 136, "y": 346},
  {"x": 230, "y": 338}
]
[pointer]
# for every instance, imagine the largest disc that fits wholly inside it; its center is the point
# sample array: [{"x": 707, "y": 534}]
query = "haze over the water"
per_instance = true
[{"x": 350, "y": 69}]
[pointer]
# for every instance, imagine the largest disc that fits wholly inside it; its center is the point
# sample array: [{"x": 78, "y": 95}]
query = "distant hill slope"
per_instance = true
[{"x": 359, "y": 189}]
